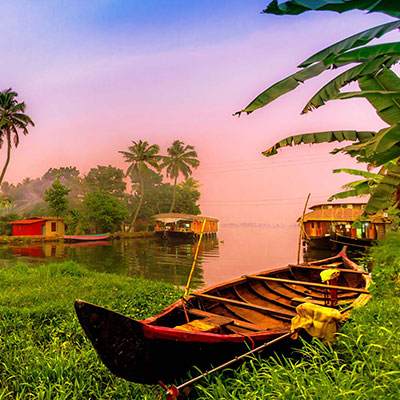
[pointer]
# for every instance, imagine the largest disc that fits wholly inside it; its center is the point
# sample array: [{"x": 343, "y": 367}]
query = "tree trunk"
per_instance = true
[
  {"x": 139, "y": 205},
  {"x": 173, "y": 196},
  {"x": 3, "y": 172}
]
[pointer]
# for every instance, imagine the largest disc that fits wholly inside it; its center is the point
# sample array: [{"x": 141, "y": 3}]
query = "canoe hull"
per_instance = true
[
  {"x": 86, "y": 238},
  {"x": 129, "y": 354}
]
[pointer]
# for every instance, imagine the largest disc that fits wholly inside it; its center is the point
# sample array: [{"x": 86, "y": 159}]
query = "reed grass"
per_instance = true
[
  {"x": 363, "y": 364},
  {"x": 44, "y": 353}
]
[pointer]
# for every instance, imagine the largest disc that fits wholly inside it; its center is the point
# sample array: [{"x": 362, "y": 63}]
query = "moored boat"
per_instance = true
[
  {"x": 184, "y": 226},
  {"x": 86, "y": 238},
  {"x": 216, "y": 324}
]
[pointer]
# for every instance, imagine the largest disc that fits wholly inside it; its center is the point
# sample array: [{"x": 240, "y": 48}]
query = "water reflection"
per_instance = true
[{"x": 147, "y": 258}]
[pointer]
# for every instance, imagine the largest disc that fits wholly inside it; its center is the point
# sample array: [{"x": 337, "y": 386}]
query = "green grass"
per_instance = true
[
  {"x": 363, "y": 364},
  {"x": 43, "y": 351},
  {"x": 45, "y": 355}
]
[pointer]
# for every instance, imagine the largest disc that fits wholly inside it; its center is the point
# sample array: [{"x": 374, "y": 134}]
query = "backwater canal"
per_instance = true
[{"x": 236, "y": 251}]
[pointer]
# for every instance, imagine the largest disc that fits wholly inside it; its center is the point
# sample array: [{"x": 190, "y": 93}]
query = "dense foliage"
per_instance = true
[
  {"x": 371, "y": 67},
  {"x": 149, "y": 193}
]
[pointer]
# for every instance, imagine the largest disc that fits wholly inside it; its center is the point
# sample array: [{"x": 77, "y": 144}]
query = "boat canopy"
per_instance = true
[{"x": 168, "y": 218}]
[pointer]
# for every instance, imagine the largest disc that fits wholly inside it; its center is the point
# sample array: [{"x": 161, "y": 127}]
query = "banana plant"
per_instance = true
[{"x": 378, "y": 84}]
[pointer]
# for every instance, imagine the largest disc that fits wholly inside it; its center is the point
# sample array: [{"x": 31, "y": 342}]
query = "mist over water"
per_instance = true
[{"x": 238, "y": 250}]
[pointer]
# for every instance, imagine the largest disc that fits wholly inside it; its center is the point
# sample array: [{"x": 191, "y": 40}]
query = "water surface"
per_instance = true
[{"x": 237, "y": 250}]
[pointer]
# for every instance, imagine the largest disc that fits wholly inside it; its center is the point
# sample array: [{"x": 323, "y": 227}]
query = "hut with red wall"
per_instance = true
[{"x": 39, "y": 226}]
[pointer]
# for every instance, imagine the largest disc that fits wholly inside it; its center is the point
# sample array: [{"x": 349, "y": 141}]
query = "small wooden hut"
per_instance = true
[{"x": 39, "y": 226}]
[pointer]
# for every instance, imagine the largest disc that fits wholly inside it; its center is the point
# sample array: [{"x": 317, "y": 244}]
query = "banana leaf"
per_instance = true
[
  {"x": 332, "y": 88},
  {"x": 365, "y": 174},
  {"x": 360, "y": 191},
  {"x": 284, "y": 86},
  {"x": 382, "y": 196},
  {"x": 295, "y": 7},
  {"x": 364, "y": 53},
  {"x": 365, "y": 93},
  {"x": 320, "y": 137},
  {"x": 387, "y": 107}
]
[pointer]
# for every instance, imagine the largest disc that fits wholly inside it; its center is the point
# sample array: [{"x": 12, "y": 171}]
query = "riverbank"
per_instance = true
[
  {"x": 44, "y": 353},
  {"x": 363, "y": 364},
  {"x": 46, "y": 239}
]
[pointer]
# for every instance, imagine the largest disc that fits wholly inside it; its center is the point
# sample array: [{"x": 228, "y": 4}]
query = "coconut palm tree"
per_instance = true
[
  {"x": 180, "y": 160},
  {"x": 12, "y": 120},
  {"x": 141, "y": 157}
]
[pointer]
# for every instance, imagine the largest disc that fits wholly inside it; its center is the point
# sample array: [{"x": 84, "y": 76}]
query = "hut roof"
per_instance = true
[
  {"x": 27, "y": 221},
  {"x": 174, "y": 217}
]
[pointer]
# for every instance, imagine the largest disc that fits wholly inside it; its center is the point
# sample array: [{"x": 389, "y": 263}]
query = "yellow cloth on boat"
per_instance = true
[
  {"x": 318, "y": 321},
  {"x": 328, "y": 274},
  {"x": 198, "y": 325}
]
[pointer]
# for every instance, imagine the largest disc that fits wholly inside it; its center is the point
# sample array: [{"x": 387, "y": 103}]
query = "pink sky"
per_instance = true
[{"x": 93, "y": 82}]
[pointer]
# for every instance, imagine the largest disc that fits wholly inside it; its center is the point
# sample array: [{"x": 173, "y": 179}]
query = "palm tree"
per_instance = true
[
  {"x": 140, "y": 156},
  {"x": 12, "y": 120},
  {"x": 180, "y": 159}
]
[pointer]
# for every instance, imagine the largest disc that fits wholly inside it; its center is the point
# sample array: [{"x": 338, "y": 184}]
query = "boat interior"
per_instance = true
[{"x": 266, "y": 301}]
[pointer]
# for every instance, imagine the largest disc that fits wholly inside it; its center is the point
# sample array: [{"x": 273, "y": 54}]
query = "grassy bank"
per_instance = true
[
  {"x": 43, "y": 351},
  {"x": 363, "y": 364},
  {"x": 45, "y": 355}
]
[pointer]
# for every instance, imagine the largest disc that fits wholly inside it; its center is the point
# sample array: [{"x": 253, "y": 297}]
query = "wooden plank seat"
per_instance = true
[
  {"x": 305, "y": 283},
  {"x": 324, "y": 267},
  {"x": 250, "y": 306},
  {"x": 236, "y": 322}
]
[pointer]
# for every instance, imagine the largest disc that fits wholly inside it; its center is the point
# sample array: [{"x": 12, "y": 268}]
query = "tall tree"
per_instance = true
[
  {"x": 56, "y": 196},
  {"x": 378, "y": 83},
  {"x": 12, "y": 120},
  {"x": 106, "y": 178},
  {"x": 180, "y": 160},
  {"x": 141, "y": 157}
]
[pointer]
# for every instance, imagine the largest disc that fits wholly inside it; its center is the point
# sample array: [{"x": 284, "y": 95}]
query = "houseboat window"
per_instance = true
[
  {"x": 344, "y": 206},
  {"x": 312, "y": 224},
  {"x": 53, "y": 227},
  {"x": 318, "y": 224}
]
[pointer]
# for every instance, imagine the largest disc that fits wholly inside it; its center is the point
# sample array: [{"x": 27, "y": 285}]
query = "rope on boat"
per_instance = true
[{"x": 173, "y": 391}]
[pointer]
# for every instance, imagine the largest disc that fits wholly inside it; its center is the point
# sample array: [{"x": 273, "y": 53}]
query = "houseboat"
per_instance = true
[
  {"x": 184, "y": 226},
  {"x": 330, "y": 226}
]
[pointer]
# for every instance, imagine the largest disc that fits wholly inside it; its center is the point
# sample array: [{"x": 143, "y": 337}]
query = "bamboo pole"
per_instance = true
[
  {"x": 302, "y": 228},
  {"x": 195, "y": 259}
]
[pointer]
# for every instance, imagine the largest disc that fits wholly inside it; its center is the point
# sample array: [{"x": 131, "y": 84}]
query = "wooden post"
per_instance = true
[
  {"x": 195, "y": 259},
  {"x": 302, "y": 228}
]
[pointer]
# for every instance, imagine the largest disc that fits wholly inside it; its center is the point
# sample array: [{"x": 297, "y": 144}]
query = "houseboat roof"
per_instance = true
[
  {"x": 338, "y": 205},
  {"x": 175, "y": 217},
  {"x": 340, "y": 214}
]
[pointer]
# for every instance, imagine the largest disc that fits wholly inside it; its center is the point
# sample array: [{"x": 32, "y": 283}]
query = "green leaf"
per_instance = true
[
  {"x": 365, "y": 93},
  {"x": 387, "y": 107},
  {"x": 360, "y": 191},
  {"x": 357, "y": 172},
  {"x": 364, "y": 53},
  {"x": 320, "y": 137},
  {"x": 331, "y": 89},
  {"x": 284, "y": 86},
  {"x": 295, "y": 7},
  {"x": 382, "y": 196}
]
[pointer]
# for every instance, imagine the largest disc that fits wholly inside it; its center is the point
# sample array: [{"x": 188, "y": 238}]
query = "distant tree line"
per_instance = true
[{"x": 99, "y": 201}]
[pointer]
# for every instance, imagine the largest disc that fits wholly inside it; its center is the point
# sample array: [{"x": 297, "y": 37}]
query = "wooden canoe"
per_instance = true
[
  {"x": 226, "y": 320},
  {"x": 86, "y": 238}
]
